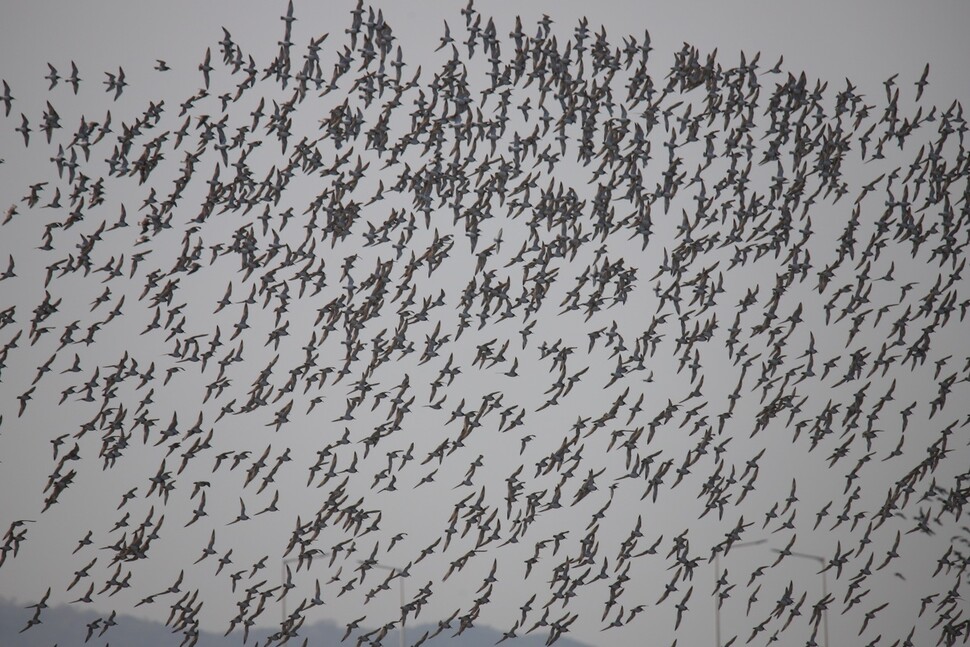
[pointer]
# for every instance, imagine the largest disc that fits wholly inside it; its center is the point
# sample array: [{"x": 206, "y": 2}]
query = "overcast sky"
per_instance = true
[{"x": 866, "y": 43}]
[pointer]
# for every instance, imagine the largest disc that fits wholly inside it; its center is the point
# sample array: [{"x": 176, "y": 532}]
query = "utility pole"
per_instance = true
[
  {"x": 400, "y": 581},
  {"x": 825, "y": 590},
  {"x": 283, "y": 562},
  {"x": 369, "y": 563},
  {"x": 717, "y": 578}
]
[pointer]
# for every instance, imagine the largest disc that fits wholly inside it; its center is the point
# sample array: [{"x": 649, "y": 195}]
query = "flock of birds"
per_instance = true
[{"x": 683, "y": 260}]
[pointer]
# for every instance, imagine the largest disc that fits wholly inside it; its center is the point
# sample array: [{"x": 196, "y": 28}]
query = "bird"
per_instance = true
[
  {"x": 648, "y": 230},
  {"x": 9, "y": 272},
  {"x": 24, "y": 129},
  {"x": 922, "y": 82},
  {"x": 6, "y": 98},
  {"x": 52, "y": 76},
  {"x": 116, "y": 83},
  {"x": 205, "y": 67},
  {"x": 74, "y": 79}
]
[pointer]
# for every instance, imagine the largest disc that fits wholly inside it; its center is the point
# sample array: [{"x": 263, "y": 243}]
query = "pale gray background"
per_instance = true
[{"x": 865, "y": 42}]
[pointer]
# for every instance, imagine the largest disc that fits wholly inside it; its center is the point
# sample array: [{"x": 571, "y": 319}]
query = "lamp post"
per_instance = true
[
  {"x": 308, "y": 555},
  {"x": 400, "y": 581},
  {"x": 370, "y": 563},
  {"x": 717, "y": 578},
  {"x": 283, "y": 563},
  {"x": 825, "y": 590}
]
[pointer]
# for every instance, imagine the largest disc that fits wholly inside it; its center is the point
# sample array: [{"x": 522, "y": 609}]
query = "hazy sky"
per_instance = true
[{"x": 865, "y": 43}]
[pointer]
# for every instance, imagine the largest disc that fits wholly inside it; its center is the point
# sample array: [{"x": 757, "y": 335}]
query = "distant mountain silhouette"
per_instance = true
[{"x": 65, "y": 626}]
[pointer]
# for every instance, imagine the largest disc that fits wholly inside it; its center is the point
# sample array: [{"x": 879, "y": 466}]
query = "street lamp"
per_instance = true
[
  {"x": 717, "y": 579},
  {"x": 400, "y": 581},
  {"x": 283, "y": 563},
  {"x": 825, "y": 589},
  {"x": 369, "y": 563},
  {"x": 308, "y": 556}
]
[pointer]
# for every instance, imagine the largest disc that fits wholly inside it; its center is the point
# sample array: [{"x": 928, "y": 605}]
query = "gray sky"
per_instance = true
[{"x": 866, "y": 43}]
